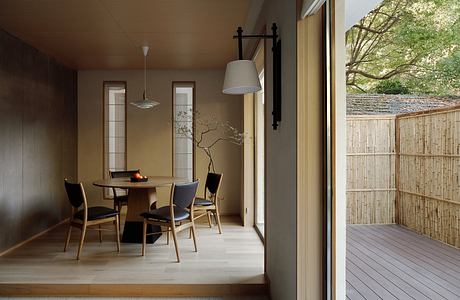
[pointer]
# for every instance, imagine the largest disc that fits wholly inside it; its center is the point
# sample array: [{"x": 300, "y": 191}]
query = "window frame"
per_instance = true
[
  {"x": 105, "y": 174},
  {"x": 175, "y": 84}
]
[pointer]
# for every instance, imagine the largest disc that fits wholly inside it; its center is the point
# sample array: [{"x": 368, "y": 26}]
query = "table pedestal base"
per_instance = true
[{"x": 132, "y": 232}]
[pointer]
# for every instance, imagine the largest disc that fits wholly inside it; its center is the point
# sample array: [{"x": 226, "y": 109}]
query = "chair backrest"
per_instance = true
[
  {"x": 213, "y": 181},
  {"x": 183, "y": 194},
  {"x": 75, "y": 193},
  {"x": 120, "y": 174}
]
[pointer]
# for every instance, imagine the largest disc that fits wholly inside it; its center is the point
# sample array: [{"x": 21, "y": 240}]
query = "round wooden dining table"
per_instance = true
[{"x": 141, "y": 196}]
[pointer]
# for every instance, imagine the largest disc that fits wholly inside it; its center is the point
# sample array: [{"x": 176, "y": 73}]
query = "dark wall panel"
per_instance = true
[{"x": 38, "y": 140}]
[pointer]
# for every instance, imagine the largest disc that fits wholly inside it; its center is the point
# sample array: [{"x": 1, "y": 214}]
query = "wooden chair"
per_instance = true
[
  {"x": 88, "y": 216},
  {"x": 209, "y": 204},
  {"x": 121, "y": 200},
  {"x": 176, "y": 216}
]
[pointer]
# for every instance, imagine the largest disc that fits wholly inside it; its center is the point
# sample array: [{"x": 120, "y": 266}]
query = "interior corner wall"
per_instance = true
[
  {"x": 281, "y": 263},
  {"x": 38, "y": 138},
  {"x": 149, "y": 132}
]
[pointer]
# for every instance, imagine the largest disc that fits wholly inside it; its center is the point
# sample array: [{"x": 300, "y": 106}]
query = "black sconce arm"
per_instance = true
[{"x": 276, "y": 49}]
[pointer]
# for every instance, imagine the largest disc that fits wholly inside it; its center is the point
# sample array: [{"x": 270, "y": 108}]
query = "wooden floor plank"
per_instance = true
[
  {"x": 389, "y": 254},
  {"x": 225, "y": 264}
]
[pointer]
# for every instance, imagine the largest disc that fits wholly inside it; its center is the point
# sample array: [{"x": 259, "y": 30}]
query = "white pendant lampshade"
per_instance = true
[
  {"x": 241, "y": 78},
  {"x": 145, "y": 102}
]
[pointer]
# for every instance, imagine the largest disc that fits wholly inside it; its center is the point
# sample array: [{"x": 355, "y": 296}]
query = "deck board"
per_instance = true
[
  {"x": 389, "y": 259},
  {"x": 414, "y": 260}
]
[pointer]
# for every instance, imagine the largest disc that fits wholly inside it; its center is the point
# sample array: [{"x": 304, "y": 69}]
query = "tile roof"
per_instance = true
[{"x": 377, "y": 104}]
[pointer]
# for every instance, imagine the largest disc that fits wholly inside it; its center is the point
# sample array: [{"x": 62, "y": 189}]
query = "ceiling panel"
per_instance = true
[{"x": 108, "y": 34}]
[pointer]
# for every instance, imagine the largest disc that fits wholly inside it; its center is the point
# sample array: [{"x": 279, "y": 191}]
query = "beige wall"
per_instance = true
[
  {"x": 281, "y": 263},
  {"x": 294, "y": 188},
  {"x": 149, "y": 132}
]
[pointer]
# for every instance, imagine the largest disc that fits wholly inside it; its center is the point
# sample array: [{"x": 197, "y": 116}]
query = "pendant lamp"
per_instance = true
[{"x": 145, "y": 102}]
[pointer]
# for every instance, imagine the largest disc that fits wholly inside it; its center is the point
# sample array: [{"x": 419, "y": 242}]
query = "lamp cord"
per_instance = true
[{"x": 145, "y": 76}]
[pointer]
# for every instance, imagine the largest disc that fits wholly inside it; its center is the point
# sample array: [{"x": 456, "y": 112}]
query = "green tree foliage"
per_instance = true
[
  {"x": 413, "y": 42},
  {"x": 392, "y": 87}
]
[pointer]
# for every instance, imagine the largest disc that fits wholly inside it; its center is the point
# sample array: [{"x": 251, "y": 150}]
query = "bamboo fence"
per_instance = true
[
  {"x": 371, "y": 155},
  {"x": 428, "y": 197},
  {"x": 405, "y": 169}
]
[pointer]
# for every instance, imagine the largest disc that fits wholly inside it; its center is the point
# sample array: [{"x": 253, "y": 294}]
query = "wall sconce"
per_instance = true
[{"x": 241, "y": 75}]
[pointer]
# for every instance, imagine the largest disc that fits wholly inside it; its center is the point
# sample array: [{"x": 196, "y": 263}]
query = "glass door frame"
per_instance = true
[
  {"x": 179, "y": 84},
  {"x": 260, "y": 47}
]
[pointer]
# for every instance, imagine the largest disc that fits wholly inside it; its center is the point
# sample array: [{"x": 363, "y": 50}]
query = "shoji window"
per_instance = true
[
  {"x": 183, "y": 108},
  {"x": 114, "y": 129}
]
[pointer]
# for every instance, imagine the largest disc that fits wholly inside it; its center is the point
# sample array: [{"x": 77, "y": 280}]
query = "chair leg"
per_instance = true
[
  {"x": 194, "y": 236},
  {"x": 68, "y": 238},
  {"x": 144, "y": 236},
  {"x": 82, "y": 238},
  {"x": 217, "y": 215},
  {"x": 117, "y": 231},
  {"x": 173, "y": 229},
  {"x": 209, "y": 218},
  {"x": 100, "y": 234},
  {"x": 168, "y": 233},
  {"x": 119, "y": 218}
]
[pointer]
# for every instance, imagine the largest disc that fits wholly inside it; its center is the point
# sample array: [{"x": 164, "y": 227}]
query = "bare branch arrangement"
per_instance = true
[{"x": 208, "y": 132}]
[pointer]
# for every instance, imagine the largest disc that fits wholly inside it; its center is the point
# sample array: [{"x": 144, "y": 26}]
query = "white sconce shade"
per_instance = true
[{"x": 241, "y": 78}]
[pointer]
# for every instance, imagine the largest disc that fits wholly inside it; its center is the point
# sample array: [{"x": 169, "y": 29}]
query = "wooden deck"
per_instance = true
[
  {"x": 392, "y": 262},
  {"x": 227, "y": 264}
]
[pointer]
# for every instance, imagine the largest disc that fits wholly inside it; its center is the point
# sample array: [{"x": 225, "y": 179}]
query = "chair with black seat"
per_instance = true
[
  {"x": 209, "y": 204},
  {"x": 88, "y": 216},
  {"x": 176, "y": 216},
  {"x": 120, "y": 200}
]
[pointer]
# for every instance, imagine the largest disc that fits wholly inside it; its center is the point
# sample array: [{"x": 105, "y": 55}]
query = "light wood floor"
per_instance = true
[
  {"x": 230, "y": 263},
  {"x": 392, "y": 262}
]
